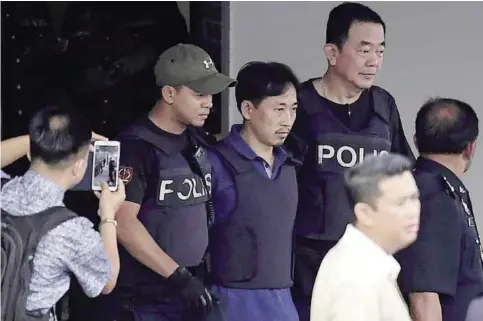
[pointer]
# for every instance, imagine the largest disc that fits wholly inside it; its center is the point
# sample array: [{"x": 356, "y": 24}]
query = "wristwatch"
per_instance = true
[{"x": 108, "y": 220}]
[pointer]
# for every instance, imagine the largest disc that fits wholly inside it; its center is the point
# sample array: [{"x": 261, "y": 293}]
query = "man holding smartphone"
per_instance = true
[
  {"x": 64, "y": 244},
  {"x": 163, "y": 224}
]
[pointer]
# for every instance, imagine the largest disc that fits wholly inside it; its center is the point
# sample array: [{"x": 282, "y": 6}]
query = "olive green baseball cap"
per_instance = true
[{"x": 190, "y": 66}]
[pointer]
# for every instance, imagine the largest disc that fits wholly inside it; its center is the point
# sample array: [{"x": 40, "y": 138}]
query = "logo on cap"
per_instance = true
[{"x": 208, "y": 63}]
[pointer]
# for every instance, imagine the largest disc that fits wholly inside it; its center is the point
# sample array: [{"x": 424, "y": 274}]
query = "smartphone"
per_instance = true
[{"x": 105, "y": 164}]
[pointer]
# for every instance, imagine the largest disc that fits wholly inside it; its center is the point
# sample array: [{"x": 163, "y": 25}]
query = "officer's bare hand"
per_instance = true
[{"x": 109, "y": 202}]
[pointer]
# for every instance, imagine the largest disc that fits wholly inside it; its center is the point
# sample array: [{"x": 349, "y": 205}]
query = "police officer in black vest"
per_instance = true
[
  {"x": 163, "y": 225},
  {"x": 441, "y": 273},
  {"x": 343, "y": 117},
  {"x": 255, "y": 199}
]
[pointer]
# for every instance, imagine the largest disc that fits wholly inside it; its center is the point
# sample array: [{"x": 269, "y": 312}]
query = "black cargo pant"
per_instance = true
[
  {"x": 162, "y": 310},
  {"x": 169, "y": 308}
]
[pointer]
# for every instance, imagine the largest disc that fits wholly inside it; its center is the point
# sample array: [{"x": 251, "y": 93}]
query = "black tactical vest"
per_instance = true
[
  {"x": 174, "y": 212},
  {"x": 324, "y": 209},
  {"x": 256, "y": 251}
]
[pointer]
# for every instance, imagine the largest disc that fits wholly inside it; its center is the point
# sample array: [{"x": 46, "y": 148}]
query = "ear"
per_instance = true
[
  {"x": 415, "y": 141},
  {"x": 168, "y": 93},
  {"x": 363, "y": 214},
  {"x": 331, "y": 52},
  {"x": 469, "y": 150},
  {"x": 79, "y": 168},
  {"x": 246, "y": 109}
]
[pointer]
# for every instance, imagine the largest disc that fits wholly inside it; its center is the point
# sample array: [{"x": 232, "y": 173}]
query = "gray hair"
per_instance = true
[{"x": 362, "y": 181}]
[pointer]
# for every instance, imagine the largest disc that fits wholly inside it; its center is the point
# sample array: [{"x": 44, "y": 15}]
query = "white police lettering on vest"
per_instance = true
[
  {"x": 190, "y": 188},
  {"x": 346, "y": 156}
]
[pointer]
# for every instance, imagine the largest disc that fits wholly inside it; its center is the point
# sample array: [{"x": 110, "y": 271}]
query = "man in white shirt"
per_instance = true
[{"x": 357, "y": 280}]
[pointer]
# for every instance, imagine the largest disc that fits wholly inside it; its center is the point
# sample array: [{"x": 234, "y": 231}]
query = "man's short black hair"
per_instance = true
[
  {"x": 362, "y": 180},
  {"x": 342, "y": 17},
  {"x": 445, "y": 126},
  {"x": 57, "y": 134},
  {"x": 258, "y": 80}
]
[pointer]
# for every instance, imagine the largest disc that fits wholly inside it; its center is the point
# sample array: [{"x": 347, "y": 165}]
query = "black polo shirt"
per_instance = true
[{"x": 446, "y": 257}]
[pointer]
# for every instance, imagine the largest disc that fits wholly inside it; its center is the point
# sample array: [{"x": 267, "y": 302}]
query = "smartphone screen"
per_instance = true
[{"x": 105, "y": 164}]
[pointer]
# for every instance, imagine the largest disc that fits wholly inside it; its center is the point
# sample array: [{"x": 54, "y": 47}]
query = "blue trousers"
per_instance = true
[{"x": 256, "y": 305}]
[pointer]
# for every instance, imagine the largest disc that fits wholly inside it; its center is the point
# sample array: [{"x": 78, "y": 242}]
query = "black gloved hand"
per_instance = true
[{"x": 191, "y": 290}]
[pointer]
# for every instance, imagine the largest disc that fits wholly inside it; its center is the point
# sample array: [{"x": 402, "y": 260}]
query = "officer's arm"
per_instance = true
[
  {"x": 135, "y": 162},
  {"x": 13, "y": 149},
  {"x": 429, "y": 267},
  {"x": 139, "y": 243},
  {"x": 425, "y": 306}
]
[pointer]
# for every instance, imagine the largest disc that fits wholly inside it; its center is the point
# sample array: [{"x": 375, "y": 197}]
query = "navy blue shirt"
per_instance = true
[
  {"x": 243, "y": 304},
  {"x": 445, "y": 258}
]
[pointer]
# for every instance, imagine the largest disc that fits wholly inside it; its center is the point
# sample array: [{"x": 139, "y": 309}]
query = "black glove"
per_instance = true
[{"x": 191, "y": 290}]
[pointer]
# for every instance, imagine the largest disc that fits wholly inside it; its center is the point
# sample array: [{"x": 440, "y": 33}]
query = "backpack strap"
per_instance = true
[{"x": 41, "y": 223}]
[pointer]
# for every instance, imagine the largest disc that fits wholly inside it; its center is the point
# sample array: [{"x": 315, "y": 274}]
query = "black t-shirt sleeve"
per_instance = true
[
  {"x": 134, "y": 168},
  {"x": 431, "y": 263},
  {"x": 400, "y": 144}
]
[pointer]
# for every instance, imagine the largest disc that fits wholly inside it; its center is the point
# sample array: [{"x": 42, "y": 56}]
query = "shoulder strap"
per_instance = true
[
  {"x": 53, "y": 217},
  {"x": 138, "y": 131},
  {"x": 198, "y": 134},
  {"x": 237, "y": 164},
  {"x": 201, "y": 136},
  {"x": 381, "y": 103},
  {"x": 41, "y": 223},
  {"x": 296, "y": 149},
  {"x": 306, "y": 94}
]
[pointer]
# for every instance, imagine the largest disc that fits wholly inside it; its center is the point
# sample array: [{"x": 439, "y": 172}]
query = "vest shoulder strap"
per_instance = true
[
  {"x": 382, "y": 100},
  {"x": 306, "y": 95},
  {"x": 232, "y": 159},
  {"x": 141, "y": 132}
]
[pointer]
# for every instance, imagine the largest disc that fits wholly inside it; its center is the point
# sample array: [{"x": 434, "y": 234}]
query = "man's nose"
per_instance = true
[
  {"x": 287, "y": 118},
  {"x": 208, "y": 102},
  {"x": 374, "y": 60}
]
